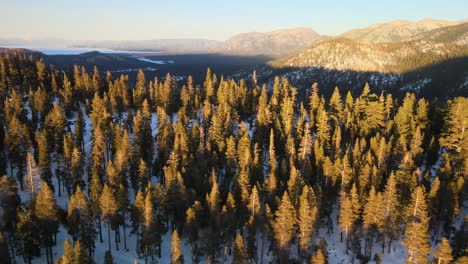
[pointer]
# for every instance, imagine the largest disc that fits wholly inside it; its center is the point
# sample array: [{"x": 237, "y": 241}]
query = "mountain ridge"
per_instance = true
[
  {"x": 394, "y": 31},
  {"x": 277, "y": 43}
]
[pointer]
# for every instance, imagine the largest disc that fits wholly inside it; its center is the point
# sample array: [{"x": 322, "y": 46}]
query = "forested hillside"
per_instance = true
[{"x": 100, "y": 169}]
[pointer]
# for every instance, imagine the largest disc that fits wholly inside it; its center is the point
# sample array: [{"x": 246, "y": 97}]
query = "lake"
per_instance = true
[{"x": 76, "y": 51}]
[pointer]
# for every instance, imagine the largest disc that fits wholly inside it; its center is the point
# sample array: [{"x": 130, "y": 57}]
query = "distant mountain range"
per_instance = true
[
  {"x": 432, "y": 63},
  {"x": 429, "y": 57},
  {"x": 276, "y": 43}
]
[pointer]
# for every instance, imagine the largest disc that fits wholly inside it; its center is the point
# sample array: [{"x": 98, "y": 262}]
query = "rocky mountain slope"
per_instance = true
[
  {"x": 395, "y": 31},
  {"x": 457, "y": 34},
  {"x": 274, "y": 43},
  {"x": 345, "y": 54},
  {"x": 430, "y": 67}
]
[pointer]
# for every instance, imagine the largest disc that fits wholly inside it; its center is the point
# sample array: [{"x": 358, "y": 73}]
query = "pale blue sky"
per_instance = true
[{"x": 146, "y": 19}]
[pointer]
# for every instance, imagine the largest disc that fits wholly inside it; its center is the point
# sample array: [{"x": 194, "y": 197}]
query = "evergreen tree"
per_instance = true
[
  {"x": 27, "y": 233},
  {"x": 18, "y": 143},
  {"x": 306, "y": 220},
  {"x": 443, "y": 252},
  {"x": 454, "y": 137},
  {"x": 390, "y": 211},
  {"x": 46, "y": 211},
  {"x": 68, "y": 254},
  {"x": 33, "y": 177},
  {"x": 318, "y": 258},
  {"x": 239, "y": 256},
  {"x": 373, "y": 218},
  {"x": 349, "y": 212},
  {"x": 108, "y": 206},
  {"x": 94, "y": 193},
  {"x": 79, "y": 254},
  {"x": 284, "y": 225},
  {"x": 80, "y": 220},
  {"x": 416, "y": 238},
  {"x": 43, "y": 156},
  {"x": 176, "y": 252},
  {"x": 272, "y": 181}
]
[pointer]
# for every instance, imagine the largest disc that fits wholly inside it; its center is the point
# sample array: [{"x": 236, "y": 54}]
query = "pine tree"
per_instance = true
[
  {"x": 443, "y": 252},
  {"x": 323, "y": 128},
  {"x": 68, "y": 254},
  {"x": 284, "y": 224},
  {"x": 454, "y": 137},
  {"x": 240, "y": 255},
  {"x": 254, "y": 205},
  {"x": 213, "y": 198},
  {"x": 349, "y": 212},
  {"x": 390, "y": 211},
  {"x": 108, "y": 206},
  {"x": 294, "y": 185},
  {"x": 80, "y": 220},
  {"x": 272, "y": 181},
  {"x": 336, "y": 107},
  {"x": 46, "y": 211},
  {"x": 318, "y": 258},
  {"x": 151, "y": 234},
  {"x": 139, "y": 93},
  {"x": 306, "y": 220},
  {"x": 79, "y": 254},
  {"x": 33, "y": 177},
  {"x": 55, "y": 124},
  {"x": 416, "y": 238},
  {"x": 192, "y": 222},
  {"x": 43, "y": 156},
  {"x": 373, "y": 218},
  {"x": 18, "y": 143},
  {"x": 176, "y": 252},
  {"x": 27, "y": 233},
  {"x": 80, "y": 130},
  {"x": 94, "y": 193}
]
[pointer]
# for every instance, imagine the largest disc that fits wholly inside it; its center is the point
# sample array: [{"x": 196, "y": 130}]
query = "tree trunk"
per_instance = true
[
  {"x": 59, "y": 185},
  {"x": 371, "y": 245},
  {"x": 347, "y": 241},
  {"x": 389, "y": 244},
  {"x": 100, "y": 229},
  {"x": 108, "y": 237},
  {"x": 47, "y": 253},
  {"x": 383, "y": 245},
  {"x": 125, "y": 233},
  {"x": 116, "y": 239},
  {"x": 137, "y": 240}
]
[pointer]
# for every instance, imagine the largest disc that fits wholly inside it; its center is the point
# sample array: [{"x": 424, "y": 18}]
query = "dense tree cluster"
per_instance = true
[{"x": 235, "y": 170}]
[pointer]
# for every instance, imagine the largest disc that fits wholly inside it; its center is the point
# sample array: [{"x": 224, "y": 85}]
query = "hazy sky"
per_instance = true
[{"x": 151, "y": 19}]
